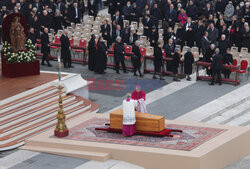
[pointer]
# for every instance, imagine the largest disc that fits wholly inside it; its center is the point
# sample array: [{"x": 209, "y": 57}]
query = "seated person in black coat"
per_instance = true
[
  {"x": 216, "y": 66},
  {"x": 227, "y": 60},
  {"x": 136, "y": 58},
  {"x": 158, "y": 61}
]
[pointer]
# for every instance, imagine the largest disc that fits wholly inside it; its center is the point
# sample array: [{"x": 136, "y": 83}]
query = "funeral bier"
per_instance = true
[{"x": 144, "y": 122}]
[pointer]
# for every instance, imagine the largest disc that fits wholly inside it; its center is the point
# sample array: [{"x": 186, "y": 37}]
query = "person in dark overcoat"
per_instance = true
[
  {"x": 45, "y": 49},
  {"x": 32, "y": 36},
  {"x": 119, "y": 52},
  {"x": 227, "y": 60},
  {"x": 208, "y": 57},
  {"x": 190, "y": 37},
  {"x": 153, "y": 38},
  {"x": 188, "y": 63},
  {"x": 237, "y": 38},
  {"x": 169, "y": 50},
  {"x": 216, "y": 67},
  {"x": 93, "y": 8},
  {"x": 175, "y": 64},
  {"x": 136, "y": 58},
  {"x": 223, "y": 45},
  {"x": 65, "y": 50},
  {"x": 246, "y": 38},
  {"x": 105, "y": 30},
  {"x": 92, "y": 53},
  {"x": 101, "y": 56},
  {"x": 158, "y": 59}
]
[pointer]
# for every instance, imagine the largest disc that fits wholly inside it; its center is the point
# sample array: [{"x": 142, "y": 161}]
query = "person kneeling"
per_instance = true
[{"x": 129, "y": 120}]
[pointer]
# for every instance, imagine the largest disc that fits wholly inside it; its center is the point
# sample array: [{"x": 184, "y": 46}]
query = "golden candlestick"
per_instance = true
[{"x": 61, "y": 129}]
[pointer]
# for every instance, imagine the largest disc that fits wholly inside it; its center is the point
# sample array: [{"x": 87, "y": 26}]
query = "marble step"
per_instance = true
[
  {"x": 37, "y": 128},
  {"x": 35, "y": 121},
  {"x": 25, "y": 97},
  {"x": 43, "y": 107},
  {"x": 231, "y": 114},
  {"x": 35, "y": 115},
  {"x": 243, "y": 120},
  {"x": 28, "y": 101}
]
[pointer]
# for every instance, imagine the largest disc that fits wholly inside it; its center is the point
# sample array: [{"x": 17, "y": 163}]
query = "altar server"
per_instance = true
[{"x": 129, "y": 120}]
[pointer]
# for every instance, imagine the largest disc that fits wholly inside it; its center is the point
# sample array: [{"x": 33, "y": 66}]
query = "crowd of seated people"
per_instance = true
[{"x": 166, "y": 25}]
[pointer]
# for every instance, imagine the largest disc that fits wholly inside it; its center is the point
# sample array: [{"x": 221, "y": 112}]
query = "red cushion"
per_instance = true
[
  {"x": 54, "y": 47},
  {"x": 78, "y": 50},
  {"x": 241, "y": 71}
]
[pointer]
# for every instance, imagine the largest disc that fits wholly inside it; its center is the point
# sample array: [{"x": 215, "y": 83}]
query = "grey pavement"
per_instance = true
[
  {"x": 171, "y": 106},
  {"x": 49, "y": 161}
]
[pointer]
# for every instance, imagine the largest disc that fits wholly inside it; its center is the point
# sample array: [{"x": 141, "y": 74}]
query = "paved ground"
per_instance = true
[{"x": 174, "y": 100}]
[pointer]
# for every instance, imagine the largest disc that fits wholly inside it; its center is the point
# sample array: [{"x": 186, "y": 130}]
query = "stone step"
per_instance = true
[
  {"x": 28, "y": 101},
  {"x": 30, "y": 105},
  {"x": 37, "y": 128},
  {"x": 28, "y": 96},
  {"x": 44, "y": 107},
  {"x": 241, "y": 121},
  {"x": 231, "y": 114},
  {"x": 37, "y": 120},
  {"x": 35, "y": 115},
  {"x": 97, "y": 156}
]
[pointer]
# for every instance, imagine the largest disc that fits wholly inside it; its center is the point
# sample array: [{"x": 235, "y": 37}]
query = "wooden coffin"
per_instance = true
[{"x": 144, "y": 122}]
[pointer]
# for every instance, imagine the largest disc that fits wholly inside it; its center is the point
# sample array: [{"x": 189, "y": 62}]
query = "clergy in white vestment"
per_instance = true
[{"x": 129, "y": 116}]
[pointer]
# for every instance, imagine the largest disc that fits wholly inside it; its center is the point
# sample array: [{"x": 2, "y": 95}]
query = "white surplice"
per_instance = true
[
  {"x": 141, "y": 107},
  {"x": 129, "y": 111}
]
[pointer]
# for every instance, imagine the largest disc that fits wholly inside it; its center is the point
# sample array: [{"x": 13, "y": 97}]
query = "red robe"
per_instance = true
[{"x": 136, "y": 96}]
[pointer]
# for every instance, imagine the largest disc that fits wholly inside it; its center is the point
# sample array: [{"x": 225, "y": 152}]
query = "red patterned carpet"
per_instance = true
[{"x": 190, "y": 138}]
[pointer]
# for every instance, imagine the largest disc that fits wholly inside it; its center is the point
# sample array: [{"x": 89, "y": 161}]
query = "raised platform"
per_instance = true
[
  {"x": 12, "y": 86},
  {"x": 200, "y": 146}
]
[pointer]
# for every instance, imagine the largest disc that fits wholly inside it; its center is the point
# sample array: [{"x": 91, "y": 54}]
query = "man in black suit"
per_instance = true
[
  {"x": 213, "y": 33},
  {"x": 116, "y": 32},
  {"x": 65, "y": 50},
  {"x": 147, "y": 25},
  {"x": 216, "y": 67},
  {"x": 119, "y": 52},
  {"x": 75, "y": 13},
  {"x": 105, "y": 30},
  {"x": 205, "y": 43},
  {"x": 171, "y": 16},
  {"x": 117, "y": 19},
  {"x": 45, "y": 49},
  {"x": 60, "y": 6},
  {"x": 92, "y": 7},
  {"x": 199, "y": 32}
]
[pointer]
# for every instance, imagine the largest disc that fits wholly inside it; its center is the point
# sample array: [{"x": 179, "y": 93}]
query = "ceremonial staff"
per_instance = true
[{"x": 61, "y": 129}]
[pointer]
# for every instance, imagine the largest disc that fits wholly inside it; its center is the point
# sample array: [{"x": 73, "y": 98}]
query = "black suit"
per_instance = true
[
  {"x": 119, "y": 52},
  {"x": 105, "y": 30},
  {"x": 213, "y": 35},
  {"x": 204, "y": 45},
  {"x": 75, "y": 15},
  {"x": 65, "y": 51},
  {"x": 93, "y": 7},
  {"x": 45, "y": 49},
  {"x": 217, "y": 67}
]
